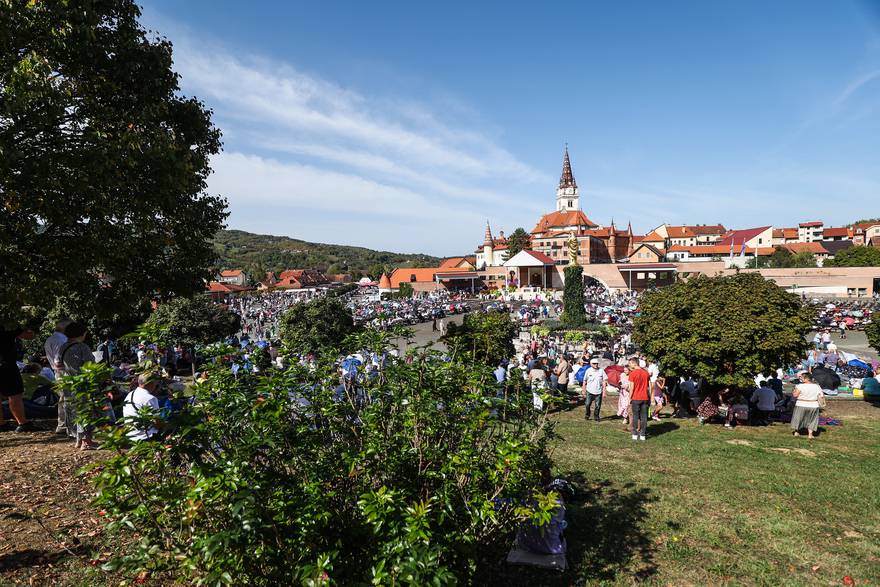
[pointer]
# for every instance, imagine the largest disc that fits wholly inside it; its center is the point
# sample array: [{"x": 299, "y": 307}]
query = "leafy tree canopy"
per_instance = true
[
  {"x": 484, "y": 338},
  {"x": 724, "y": 329},
  {"x": 319, "y": 324},
  {"x": 865, "y": 221},
  {"x": 102, "y": 162},
  {"x": 783, "y": 258},
  {"x": 193, "y": 322},
  {"x": 573, "y": 313},
  {"x": 860, "y": 256},
  {"x": 518, "y": 240}
]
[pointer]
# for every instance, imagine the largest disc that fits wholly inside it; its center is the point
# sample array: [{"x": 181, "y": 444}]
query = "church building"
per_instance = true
[{"x": 550, "y": 236}]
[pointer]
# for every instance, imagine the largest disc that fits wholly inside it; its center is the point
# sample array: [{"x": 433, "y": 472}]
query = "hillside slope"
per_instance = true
[{"x": 257, "y": 253}]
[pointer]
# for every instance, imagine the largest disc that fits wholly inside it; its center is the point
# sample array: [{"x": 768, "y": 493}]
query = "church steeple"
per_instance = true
[
  {"x": 567, "y": 198},
  {"x": 488, "y": 240},
  {"x": 567, "y": 178}
]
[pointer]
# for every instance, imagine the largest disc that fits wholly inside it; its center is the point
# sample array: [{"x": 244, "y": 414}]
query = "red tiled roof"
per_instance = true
[
  {"x": 231, "y": 273},
  {"x": 653, "y": 236},
  {"x": 455, "y": 261},
  {"x": 217, "y": 287},
  {"x": 830, "y": 232},
  {"x": 815, "y": 248},
  {"x": 813, "y": 224},
  {"x": 384, "y": 282},
  {"x": 422, "y": 274},
  {"x": 865, "y": 225},
  {"x": 561, "y": 219},
  {"x": 738, "y": 237},
  {"x": 541, "y": 257},
  {"x": 718, "y": 250}
]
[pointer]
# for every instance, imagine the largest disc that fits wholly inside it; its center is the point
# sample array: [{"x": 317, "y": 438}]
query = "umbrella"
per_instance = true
[
  {"x": 613, "y": 373},
  {"x": 826, "y": 378},
  {"x": 858, "y": 363}
]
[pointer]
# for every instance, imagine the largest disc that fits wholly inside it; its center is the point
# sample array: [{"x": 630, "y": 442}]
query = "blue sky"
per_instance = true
[{"x": 406, "y": 125}]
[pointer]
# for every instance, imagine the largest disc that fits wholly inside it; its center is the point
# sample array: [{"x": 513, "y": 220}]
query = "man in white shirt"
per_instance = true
[
  {"x": 142, "y": 398},
  {"x": 594, "y": 388},
  {"x": 52, "y": 347}
]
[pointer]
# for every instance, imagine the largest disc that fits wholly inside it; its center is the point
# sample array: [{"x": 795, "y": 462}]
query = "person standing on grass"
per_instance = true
[
  {"x": 623, "y": 399},
  {"x": 11, "y": 383},
  {"x": 639, "y": 380},
  {"x": 562, "y": 371},
  {"x": 594, "y": 388},
  {"x": 51, "y": 347},
  {"x": 658, "y": 396},
  {"x": 806, "y": 408}
]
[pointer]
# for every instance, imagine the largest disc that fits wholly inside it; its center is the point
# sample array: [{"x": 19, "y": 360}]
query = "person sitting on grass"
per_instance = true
[
  {"x": 764, "y": 401},
  {"x": 143, "y": 398}
]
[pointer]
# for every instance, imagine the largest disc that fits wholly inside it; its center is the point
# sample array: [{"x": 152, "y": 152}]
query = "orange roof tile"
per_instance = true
[
  {"x": 841, "y": 231},
  {"x": 562, "y": 219},
  {"x": 815, "y": 248}
]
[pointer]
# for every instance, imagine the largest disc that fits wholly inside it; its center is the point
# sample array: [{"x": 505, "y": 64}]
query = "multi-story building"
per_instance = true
[{"x": 809, "y": 232}]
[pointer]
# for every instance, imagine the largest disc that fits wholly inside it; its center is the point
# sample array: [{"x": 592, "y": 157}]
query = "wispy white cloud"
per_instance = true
[{"x": 298, "y": 142}]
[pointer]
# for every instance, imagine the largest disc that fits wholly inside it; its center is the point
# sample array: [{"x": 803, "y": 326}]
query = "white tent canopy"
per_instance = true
[{"x": 525, "y": 259}]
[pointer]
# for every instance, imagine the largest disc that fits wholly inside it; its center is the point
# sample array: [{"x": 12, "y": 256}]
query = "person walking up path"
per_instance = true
[
  {"x": 594, "y": 388},
  {"x": 639, "y": 399}
]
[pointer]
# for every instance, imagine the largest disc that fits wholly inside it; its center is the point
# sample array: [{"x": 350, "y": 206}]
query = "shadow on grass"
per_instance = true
[
  {"x": 661, "y": 428},
  {"x": 604, "y": 535}
]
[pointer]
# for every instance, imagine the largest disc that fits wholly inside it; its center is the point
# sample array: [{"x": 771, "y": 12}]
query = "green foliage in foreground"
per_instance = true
[
  {"x": 257, "y": 253},
  {"x": 322, "y": 323},
  {"x": 783, "y": 258},
  {"x": 860, "y": 256},
  {"x": 482, "y": 338},
  {"x": 418, "y": 476},
  {"x": 724, "y": 329},
  {"x": 573, "y": 313}
]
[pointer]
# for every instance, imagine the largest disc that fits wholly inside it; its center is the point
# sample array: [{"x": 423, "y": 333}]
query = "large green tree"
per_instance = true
[
  {"x": 518, "y": 240},
  {"x": 319, "y": 324},
  {"x": 573, "y": 313},
  {"x": 861, "y": 256},
  {"x": 102, "y": 162},
  {"x": 193, "y": 322},
  {"x": 485, "y": 338},
  {"x": 724, "y": 329}
]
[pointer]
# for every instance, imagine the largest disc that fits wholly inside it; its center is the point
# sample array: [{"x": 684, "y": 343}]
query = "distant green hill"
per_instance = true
[{"x": 258, "y": 253}]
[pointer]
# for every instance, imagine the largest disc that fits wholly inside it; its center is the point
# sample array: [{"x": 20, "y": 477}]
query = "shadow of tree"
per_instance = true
[
  {"x": 604, "y": 535},
  {"x": 29, "y": 557}
]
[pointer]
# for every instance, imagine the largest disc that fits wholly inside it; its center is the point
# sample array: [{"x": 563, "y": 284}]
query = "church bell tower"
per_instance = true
[{"x": 567, "y": 197}]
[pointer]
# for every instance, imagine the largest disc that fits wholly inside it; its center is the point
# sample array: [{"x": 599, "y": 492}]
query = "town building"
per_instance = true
[
  {"x": 809, "y": 232},
  {"x": 232, "y": 276}
]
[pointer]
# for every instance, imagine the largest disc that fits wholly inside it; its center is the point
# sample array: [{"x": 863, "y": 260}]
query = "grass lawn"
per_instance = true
[{"x": 707, "y": 505}]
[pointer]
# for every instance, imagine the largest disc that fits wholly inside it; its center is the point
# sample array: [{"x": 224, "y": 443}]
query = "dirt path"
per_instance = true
[{"x": 49, "y": 531}]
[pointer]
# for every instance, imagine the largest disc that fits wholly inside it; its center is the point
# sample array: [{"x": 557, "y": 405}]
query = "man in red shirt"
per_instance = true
[{"x": 639, "y": 399}]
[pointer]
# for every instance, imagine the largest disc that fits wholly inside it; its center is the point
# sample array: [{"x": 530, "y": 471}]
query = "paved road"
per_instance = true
[{"x": 856, "y": 342}]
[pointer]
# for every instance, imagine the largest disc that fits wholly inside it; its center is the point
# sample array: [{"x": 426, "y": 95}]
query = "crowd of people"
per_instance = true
[{"x": 589, "y": 371}]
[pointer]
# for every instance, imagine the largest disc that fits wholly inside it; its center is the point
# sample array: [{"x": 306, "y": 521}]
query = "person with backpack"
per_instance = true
[{"x": 71, "y": 357}]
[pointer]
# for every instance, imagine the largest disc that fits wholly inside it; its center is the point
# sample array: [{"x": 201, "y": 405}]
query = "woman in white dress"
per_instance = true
[{"x": 806, "y": 408}]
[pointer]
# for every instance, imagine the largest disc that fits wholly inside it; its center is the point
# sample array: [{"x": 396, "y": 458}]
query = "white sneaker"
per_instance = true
[
  {"x": 642, "y": 438},
  {"x": 635, "y": 437}
]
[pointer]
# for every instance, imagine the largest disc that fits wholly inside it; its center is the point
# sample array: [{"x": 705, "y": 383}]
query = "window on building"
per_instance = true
[
  {"x": 640, "y": 275},
  {"x": 570, "y": 204},
  {"x": 412, "y": 277}
]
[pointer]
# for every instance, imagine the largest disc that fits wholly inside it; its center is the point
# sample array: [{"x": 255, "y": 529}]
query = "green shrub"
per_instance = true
[
  {"x": 482, "y": 338},
  {"x": 573, "y": 313},
  {"x": 283, "y": 478}
]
